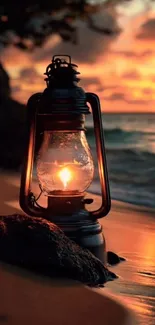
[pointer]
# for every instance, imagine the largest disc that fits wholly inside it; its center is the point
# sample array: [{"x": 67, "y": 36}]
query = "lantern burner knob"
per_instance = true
[{"x": 61, "y": 72}]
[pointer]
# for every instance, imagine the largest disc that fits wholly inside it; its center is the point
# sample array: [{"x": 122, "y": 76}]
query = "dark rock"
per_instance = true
[
  {"x": 41, "y": 246},
  {"x": 113, "y": 258},
  {"x": 12, "y": 126}
]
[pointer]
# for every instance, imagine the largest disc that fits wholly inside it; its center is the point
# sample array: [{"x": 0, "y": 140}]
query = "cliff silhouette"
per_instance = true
[{"x": 12, "y": 126}]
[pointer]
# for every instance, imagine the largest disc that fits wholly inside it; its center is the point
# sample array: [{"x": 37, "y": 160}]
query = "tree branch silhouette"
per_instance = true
[{"x": 28, "y": 25}]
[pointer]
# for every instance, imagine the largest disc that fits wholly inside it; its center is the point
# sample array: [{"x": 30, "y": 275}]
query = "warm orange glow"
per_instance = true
[
  {"x": 65, "y": 176},
  {"x": 123, "y": 64}
]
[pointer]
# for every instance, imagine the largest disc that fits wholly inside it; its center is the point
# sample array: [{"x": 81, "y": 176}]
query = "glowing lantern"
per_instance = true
[{"x": 64, "y": 164}]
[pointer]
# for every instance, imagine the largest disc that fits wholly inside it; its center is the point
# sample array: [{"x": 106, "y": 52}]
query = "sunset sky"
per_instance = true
[{"x": 120, "y": 69}]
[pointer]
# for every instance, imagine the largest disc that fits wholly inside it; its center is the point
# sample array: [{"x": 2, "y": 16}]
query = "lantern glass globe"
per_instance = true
[{"x": 64, "y": 163}]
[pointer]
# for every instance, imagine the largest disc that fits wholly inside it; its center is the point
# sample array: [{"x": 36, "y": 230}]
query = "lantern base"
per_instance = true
[
  {"x": 70, "y": 215},
  {"x": 87, "y": 234}
]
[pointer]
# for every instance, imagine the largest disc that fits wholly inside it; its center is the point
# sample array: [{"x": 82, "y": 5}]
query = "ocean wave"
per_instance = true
[
  {"x": 128, "y": 195},
  {"x": 121, "y": 132},
  {"x": 135, "y": 143},
  {"x": 131, "y": 176},
  {"x": 131, "y": 153},
  {"x": 126, "y": 156}
]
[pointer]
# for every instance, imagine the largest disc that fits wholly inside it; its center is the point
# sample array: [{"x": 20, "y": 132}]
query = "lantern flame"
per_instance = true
[{"x": 65, "y": 176}]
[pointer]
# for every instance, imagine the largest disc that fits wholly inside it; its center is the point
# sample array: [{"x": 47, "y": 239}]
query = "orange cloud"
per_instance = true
[
  {"x": 119, "y": 69},
  {"x": 147, "y": 30}
]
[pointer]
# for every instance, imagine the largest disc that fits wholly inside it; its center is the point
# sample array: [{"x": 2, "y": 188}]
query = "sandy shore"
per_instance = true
[{"x": 129, "y": 232}]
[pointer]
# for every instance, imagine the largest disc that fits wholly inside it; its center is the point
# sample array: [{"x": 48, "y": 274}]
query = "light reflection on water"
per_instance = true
[
  {"x": 137, "y": 289},
  {"x": 136, "y": 242},
  {"x": 144, "y": 309}
]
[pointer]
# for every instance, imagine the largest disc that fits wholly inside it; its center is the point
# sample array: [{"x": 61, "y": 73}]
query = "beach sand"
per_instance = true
[{"x": 129, "y": 232}]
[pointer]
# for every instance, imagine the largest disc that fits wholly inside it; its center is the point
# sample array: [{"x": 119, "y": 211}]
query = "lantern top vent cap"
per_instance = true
[{"x": 61, "y": 71}]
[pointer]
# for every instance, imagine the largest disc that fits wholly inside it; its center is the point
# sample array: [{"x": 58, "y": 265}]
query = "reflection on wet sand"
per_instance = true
[{"x": 134, "y": 240}]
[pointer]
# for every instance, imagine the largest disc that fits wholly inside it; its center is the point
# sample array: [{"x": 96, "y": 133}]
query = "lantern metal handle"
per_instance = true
[
  {"x": 61, "y": 55},
  {"x": 26, "y": 176},
  {"x": 93, "y": 100}
]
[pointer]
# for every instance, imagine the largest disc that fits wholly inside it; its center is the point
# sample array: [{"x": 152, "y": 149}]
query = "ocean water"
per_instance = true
[{"x": 130, "y": 149}]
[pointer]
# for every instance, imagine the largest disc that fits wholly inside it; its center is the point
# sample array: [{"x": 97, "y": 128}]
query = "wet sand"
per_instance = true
[{"x": 129, "y": 232}]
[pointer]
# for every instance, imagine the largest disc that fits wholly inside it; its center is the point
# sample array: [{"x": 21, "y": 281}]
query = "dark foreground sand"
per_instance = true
[{"x": 29, "y": 299}]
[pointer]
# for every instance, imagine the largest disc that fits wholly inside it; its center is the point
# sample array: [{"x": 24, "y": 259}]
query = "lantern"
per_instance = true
[{"x": 57, "y": 146}]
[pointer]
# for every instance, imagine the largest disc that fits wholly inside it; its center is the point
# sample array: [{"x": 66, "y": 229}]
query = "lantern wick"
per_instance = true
[{"x": 65, "y": 176}]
